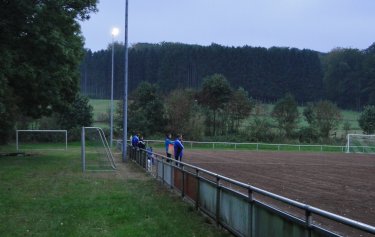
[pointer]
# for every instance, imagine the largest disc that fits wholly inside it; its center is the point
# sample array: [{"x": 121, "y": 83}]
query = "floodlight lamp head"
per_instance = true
[{"x": 115, "y": 31}]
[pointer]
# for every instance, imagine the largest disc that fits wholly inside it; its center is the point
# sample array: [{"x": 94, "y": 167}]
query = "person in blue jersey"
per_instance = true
[
  {"x": 178, "y": 148},
  {"x": 135, "y": 140},
  {"x": 168, "y": 145}
]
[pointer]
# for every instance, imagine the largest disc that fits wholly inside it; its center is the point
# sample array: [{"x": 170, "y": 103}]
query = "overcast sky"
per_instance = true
[{"x": 314, "y": 24}]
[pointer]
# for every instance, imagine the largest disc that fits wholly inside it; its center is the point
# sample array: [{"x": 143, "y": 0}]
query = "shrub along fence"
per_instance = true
[{"x": 243, "y": 209}]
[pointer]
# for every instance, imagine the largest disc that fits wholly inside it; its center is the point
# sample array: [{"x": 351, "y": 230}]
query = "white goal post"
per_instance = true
[
  {"x": 360, "y": 143},
  {"x": 64, "y": 140},
  {"x": 96, "y": 153}
]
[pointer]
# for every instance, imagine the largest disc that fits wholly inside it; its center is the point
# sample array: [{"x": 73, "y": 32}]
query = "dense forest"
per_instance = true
[{"x": 343, "y": 76}]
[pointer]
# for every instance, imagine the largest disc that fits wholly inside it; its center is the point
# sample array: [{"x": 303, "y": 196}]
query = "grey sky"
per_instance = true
[{"x": 314, "y": 24}]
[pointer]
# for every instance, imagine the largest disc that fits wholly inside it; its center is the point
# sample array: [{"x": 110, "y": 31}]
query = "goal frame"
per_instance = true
[
  {"x": 105, "y": 144},
  {"x": 356, "y": 135},
  {"x": 41, "y": 131}
]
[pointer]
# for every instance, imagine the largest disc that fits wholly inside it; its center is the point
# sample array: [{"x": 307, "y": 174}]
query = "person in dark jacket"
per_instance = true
[
  {"x": 178, "y": 148},
  {"x": 141, "y": 143}
]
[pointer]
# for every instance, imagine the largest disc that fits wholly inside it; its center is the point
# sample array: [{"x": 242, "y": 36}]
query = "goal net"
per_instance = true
[
  {"x": 360, "y": 143},
  {"x": 41, "y": 140},
  {"x": 96, "y": 154}
]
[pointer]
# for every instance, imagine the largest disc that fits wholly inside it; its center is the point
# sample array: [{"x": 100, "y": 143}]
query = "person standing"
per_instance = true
[
  {"x": 178, "y": 148},
  {"x": 141, "y": 143},
  {"x": 169, "y": 146},
  {"x": 135, "y": 140}
]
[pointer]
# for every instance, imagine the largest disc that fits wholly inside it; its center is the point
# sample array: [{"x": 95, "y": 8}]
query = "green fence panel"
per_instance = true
[
  {"x": 234, "y": 212},
  {"x": 207, "y": 197},
  {"x": 168, "y": 174},
  {"x": 270, "y": 224}
]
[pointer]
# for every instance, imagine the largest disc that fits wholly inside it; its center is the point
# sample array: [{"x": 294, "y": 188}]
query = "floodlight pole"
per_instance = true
[
  {"x": 114, "y": 33},
  {"x": 125, "y": 107},
  {"x": 111, "y": 126}
]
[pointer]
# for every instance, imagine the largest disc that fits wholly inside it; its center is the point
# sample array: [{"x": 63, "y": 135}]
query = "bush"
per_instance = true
[
  {"x": 308, "y": 135},
  {"x": 103, "y": 117},
  {"x": 260, "y": 130},
  {"x": 79, "y": 114},
  {"x": 367, "y": 120}
]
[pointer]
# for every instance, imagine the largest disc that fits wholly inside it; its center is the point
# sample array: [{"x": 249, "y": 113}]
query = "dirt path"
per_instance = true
[{"x": 124, "y": 170}]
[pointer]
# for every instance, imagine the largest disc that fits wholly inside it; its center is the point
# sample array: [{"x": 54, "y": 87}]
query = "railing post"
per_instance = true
[
  {"x": 251, "y": 212},
  {"x": 172, "y": 179},
  {"x": 183, "y": 183},
  {"x": 162, "y": 169},
  {"x": 218, "y": 200},
  {"x": 157, "y": 167},
  {"x": 198, "y": 194},
  {"x": 308, "y": 219}
]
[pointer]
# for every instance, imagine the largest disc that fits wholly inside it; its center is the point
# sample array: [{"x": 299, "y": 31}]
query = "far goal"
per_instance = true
[
  {"x": 41, "y": 140},
  {"x": 360, "y": 143}
]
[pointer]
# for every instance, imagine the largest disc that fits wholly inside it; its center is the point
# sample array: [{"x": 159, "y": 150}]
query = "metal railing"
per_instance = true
[{"x": 236, "y": 205}]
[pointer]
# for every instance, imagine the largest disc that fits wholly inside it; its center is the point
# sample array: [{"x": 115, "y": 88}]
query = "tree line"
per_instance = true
[
  {"x": 218, "y": 111},
  {"x": 266, "y": 74},
  {"x": 343, "y": 76}
]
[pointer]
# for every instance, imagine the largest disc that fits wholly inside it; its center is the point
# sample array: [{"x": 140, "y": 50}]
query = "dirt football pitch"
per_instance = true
[{"x": 340, "y": 183}]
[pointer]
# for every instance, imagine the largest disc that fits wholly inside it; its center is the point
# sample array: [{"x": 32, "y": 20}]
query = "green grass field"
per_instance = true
[
  {"x": 46, "y": 194},
  {"x": 347, "y": 116},
  {"x": 100, "y": 106},
  {"x": 101, "y": 111}
]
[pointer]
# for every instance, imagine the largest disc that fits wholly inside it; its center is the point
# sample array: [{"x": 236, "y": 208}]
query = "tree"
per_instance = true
[
  {"x": 286, "y": 114},
  {"x": 214, "y": 94},
  {"x": 146, "y": 112},
  {"x": 41, "y": 47},
  {"x": 239, "y": 107},
  {"x": 78, "y": 114},
  {"x": 368, "y": 84},
  {"x": 344, "y": 77},
  {"x": 179, "y": 110},
  {"x": 367, "y": 120},
  {"x": 346, "y": 127},
  {"x": 323, "y": 117}
]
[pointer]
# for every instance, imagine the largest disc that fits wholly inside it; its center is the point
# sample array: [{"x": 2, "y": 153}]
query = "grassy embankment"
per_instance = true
[{"x": 101, "y": 108}]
